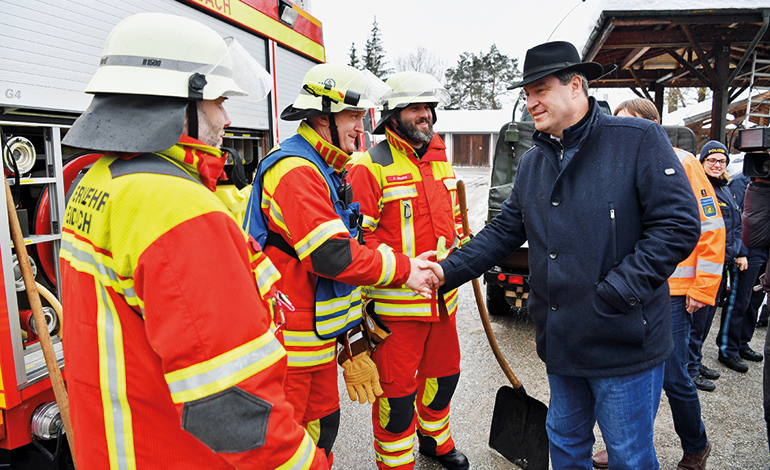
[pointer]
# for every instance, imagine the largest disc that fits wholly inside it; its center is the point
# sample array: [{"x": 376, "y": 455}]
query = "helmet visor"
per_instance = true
[
  {"x": 373, "y": 91},
  {"x": 236, "y": 75}
]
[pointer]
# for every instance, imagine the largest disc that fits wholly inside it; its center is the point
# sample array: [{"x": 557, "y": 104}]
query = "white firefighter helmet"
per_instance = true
[
  {"x": 153, "y": 65},
  {"x": 410, "y": 88},
  {"x": 331, "y": 88}
]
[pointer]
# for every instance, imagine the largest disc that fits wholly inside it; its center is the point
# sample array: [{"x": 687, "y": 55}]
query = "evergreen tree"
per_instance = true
[
  {"x": 354, "y": 60},
  {"x": 480, "y": 81},
  {"x": 374, "y": 55}
]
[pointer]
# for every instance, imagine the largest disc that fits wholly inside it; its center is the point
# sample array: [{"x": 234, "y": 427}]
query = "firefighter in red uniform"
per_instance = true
[
  {"x": 407, "y": 191},
  {"x": 171, "y": 361},
  {"x": 301, "y": 211}
]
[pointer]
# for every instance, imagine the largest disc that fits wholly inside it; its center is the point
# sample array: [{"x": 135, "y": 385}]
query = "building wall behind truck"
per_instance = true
[
  {"x": 290, "y": 69},
  {"x": 51, "y": 48}
]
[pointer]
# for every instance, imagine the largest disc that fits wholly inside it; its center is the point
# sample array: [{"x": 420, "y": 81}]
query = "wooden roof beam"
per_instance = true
[{"x": 701, "y": 57}]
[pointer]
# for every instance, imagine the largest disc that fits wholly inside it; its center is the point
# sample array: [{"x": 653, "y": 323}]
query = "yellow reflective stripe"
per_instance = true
[
  {"x": 450, "y": 183},
  {"x": 266, "y": 275},
  {"x": 303, "y": 457},
  {"x": 402, "y": 294},
  {"x": 388, "y": 265},
  {"x": 442, "y": 437},
  {"x": 303, "y": 338},
  {"x": 84, "y": 258},
  {"x": 398, "y": 192},
  {"x": 407, "y": 229},
  {"x": 223, "y": 371},
  {"x": 451, "y": 298},
  {"x": 112, "y": 384},
  {"x": 402, "y": 310},
  {"x": 319, "y": 235},
  {"x": 434, "y": 425},
  {"x": 300, "y": 358},
  {"x": 341, "y": 311},
  {"x": 370, "y": 223},
  {"x": 406, "y": 443},
  {"x": 273, "y": 211}
]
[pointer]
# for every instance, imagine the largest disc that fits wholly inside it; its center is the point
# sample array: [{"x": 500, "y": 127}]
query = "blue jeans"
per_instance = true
[
  {"x": 625, "y": 408},
  {"x": 680, "y": 389}
]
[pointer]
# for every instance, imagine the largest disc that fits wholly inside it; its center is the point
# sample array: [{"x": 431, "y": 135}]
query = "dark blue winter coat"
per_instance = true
[
  {"x": 731, "y": 214},
  {"x": 604, "y": 236}
]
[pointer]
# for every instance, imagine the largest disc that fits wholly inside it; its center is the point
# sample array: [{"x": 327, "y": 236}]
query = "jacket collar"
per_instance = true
[
  {"x": 331, "y": 154},
  {"x": 204, "y": 162},
  {"x": 584, "y": 127},
  {"x": 436, "y": 151}
]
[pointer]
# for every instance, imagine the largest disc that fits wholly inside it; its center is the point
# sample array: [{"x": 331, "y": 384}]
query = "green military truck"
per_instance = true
[{"x": 508, "y": 282}]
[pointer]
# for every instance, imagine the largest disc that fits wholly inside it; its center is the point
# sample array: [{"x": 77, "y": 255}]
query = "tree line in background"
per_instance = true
[{"x": 477, "y": 81}]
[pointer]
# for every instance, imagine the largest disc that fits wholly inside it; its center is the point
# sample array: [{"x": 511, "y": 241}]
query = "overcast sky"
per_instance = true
[
  {"x": 447, "y": 28},
  {"x": 450, "y": 27}
]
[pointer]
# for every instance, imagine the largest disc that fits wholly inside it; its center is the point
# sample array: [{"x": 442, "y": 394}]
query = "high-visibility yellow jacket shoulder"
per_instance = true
[
  {"x": 407, "y": 205},
  {"x": 171, "y": 362},
  {"x": 699, "y": 275}
]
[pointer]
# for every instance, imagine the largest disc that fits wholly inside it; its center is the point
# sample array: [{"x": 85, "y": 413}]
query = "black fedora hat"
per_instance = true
[{"x": 553, "y": 57}]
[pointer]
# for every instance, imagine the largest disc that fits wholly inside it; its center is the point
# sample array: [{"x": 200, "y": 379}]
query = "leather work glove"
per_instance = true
[{"x": 361, "y": 377}]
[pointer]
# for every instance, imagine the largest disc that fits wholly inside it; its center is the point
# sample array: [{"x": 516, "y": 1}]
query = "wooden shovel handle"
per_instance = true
[
  {"x": 59, "y": 391},
  {"x": 480, "y": 299}
]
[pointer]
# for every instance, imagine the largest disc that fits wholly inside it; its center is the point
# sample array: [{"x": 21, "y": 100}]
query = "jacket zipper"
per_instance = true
[{"x": 614, "y": 226}]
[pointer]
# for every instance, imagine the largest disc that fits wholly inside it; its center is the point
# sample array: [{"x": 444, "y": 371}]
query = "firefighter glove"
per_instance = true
[{"x": 361, "y": 378}]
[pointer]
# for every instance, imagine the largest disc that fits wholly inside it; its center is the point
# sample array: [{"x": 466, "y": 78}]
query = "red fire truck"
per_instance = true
[{"x": 50, "y": 49}]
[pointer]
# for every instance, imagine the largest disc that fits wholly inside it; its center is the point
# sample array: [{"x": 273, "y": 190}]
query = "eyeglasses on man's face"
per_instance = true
[{"x": 716, "y": 161}]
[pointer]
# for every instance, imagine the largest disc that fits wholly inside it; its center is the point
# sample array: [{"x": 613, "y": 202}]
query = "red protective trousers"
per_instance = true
[{"x": 419, "y": 365}]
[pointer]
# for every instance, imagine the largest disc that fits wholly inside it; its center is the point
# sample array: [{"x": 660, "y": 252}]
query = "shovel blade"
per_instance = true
[{"x": 518, "y": 429}]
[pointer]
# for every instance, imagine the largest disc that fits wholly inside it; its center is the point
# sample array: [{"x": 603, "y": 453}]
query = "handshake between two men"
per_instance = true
[{"x": 426, "y": 275}]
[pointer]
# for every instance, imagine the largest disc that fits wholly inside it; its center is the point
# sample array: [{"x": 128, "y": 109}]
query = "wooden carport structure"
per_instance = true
[{"x": 650, "y": 50}]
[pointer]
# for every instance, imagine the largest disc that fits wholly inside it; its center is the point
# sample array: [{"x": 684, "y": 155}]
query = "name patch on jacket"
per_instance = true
[
  {"x": 707, "y": 204},
  {"x": 398, "y": 178}
]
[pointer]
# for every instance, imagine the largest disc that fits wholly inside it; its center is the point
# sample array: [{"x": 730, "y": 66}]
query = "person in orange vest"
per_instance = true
[
  {"x": 694, "y": 286},
  {"x": 302, "y": 211},
  {"x": 407, "y": 190},
  {"x": 171, "y": 359}
]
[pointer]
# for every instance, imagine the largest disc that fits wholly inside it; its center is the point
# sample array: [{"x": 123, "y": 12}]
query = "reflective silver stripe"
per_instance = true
[
  {"x": 103, "y": 270},
  {"x": 164, "y": 64},
  {"x": 327, "y": 229},
  {"x": 400, "y": 294},
  {"x": 388, "y": 264},
  {"x": 275, "y": 213},
  {"x": 682, "y": 154},
  {"x": 434, "y": 425},
  {"x": 307, "y": 337},
  {"x": 369, "y": 223},
  {"x": 684, "y": 271},
  {"x": 407, "y": 229},
  {"x": 297, "y": 358},
  {"x": 401, "y": 309},
  {"x": 227, "y": 369},
  {"x": 710, "y": 267},
  {"x": 400, "y": 445},
  {"x": 303, "y": 460},
  {"x": 116, "y": 406},
  {"x": 712, "y": 224},
  {"x": 399, "y": 192}
]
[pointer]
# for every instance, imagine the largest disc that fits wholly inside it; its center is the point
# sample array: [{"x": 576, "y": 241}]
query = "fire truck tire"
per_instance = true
[{"x": 496, "y": 303}]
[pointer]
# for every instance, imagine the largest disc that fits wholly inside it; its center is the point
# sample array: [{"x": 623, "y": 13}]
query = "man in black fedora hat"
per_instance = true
[{"x": 608, "y": 213}]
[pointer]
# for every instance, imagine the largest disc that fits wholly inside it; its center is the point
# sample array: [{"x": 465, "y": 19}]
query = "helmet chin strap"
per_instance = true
[
  {"x": 192, "y": 119},
  {"x": 334, "y": 131},
  {"x": 195, "y": 83}
]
